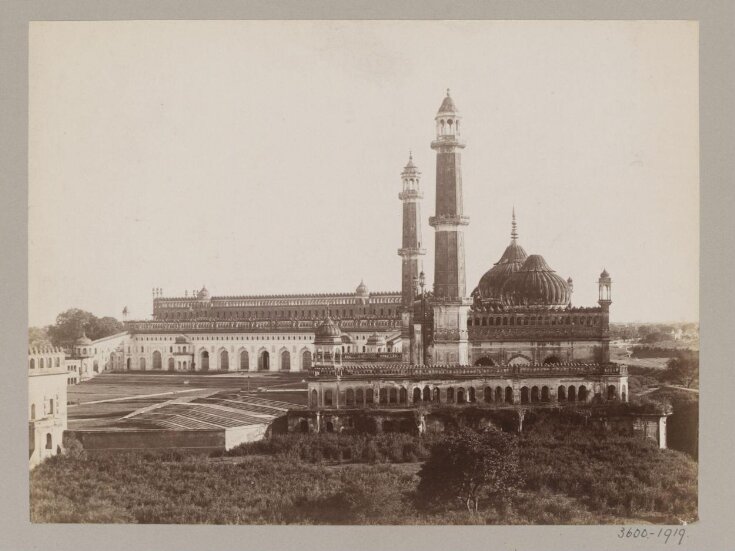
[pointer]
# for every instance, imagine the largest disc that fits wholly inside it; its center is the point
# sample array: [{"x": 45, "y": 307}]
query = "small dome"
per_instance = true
[
  {"x": 328, "y": 332},
  {"x": 376, "y": 340},
  {"x": 535, "y": 284},
  {"x": 447, "y": 105},
  {"x": 204, "y": 293},
  {"x": 604, "y": 274},
  {"x": 83, "y": 340},
  {"x": 362, "y": 290}
]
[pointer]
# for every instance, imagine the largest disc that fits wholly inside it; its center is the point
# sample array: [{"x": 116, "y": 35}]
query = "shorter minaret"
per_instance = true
[{"x": 410, "y": 252}]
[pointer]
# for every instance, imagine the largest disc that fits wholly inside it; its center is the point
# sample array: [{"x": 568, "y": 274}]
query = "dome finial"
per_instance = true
[
  {"x": 514, "y": 226},
  {"x": 448, "y": 92}
]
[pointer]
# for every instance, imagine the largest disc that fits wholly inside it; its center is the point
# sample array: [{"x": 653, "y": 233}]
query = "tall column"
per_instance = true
[
  {"x": 450, "y": 303},
  {"x": 410, "y": 252}
]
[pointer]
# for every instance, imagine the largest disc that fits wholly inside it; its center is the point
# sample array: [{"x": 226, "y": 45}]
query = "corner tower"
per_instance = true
[
  {"x": 410, "y": 250},
  {"x": 450, "y": 304}
]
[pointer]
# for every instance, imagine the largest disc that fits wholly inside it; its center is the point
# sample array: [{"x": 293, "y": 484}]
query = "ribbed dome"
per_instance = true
[
  {"x": 492, "y": 282},
  {"x": 328, "y": 332},
  {"x": 535, "y": 284},
  {"x": 83, "y": 340}
]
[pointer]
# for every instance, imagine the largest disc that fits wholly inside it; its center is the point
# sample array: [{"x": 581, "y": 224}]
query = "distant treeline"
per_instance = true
[{"x": 659, "y": 352}]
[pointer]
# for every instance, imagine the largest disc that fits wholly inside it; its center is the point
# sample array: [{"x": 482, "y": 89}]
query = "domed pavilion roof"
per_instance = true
[
  {"x": 447, "y": 105},
  {"x": 204, "y": 293},
  {"x": 491, "y": 284},
  {"x": 328, "y": 332},
  {"x": 362, "y": 290},
  {"x": 83, "y": 340},
  {"x": 535, "y": 284}
]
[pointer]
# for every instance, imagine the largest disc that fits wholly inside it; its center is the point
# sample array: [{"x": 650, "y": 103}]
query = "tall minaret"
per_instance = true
[
  {"x": 410, "y": 252},
  {"x": 450, "y": 304}
]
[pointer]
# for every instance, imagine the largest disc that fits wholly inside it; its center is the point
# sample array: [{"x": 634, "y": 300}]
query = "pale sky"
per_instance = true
[{"x": 265, "y": 157}]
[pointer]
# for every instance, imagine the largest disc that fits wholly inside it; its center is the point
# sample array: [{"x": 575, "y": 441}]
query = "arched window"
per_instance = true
[
  {"x": 427, "y": 394},
  {"x": 350, "y": 397},
  {"x": 328, "y": 397},
  {"x": 285, "y": 361},
  {"x": 314, "y": 399},
  {"x": 49, "y": 443},
  {"x": 582, "y": 395},
  {"x": 306, "y": 360},
  {"x": 561, "y": 394},
  {"x": 403, "y": 395},
  {"x": 436, "y": 395},
  {"x": 204, "y": 362},
  {"x": 487, "y": 394},
  {"x": 156, "y": 361},
  {"x": 450, "y": 395},
  {"x": 171, "y": 363},
  {"x": 264, "y": 361},
  {"x": 127, "y": 364},
  {"x": 244, "y": 360},
  {"x": 416, "y": 395},
  {"x": 534, "y": 394},
  {"x": 359, "y": 397},
  {"x": 33, "y": 363},
  {"x": 224, "y": 360},
  {"x": 383, "y": 395},
  {"x": 524, "y": 395},
  {"x": 393, "y": 395},
  {"x": 544, "y": 393},
  {"x": 572, "y": 394},
  {"x": 40, "y": 363},
  {"x": 498, "y": 394},
  {"x": 460, "y": 396},
  {"x": 369, "y": 396},
  {"x": 508, "y": 395},
  {"x": 611, "y": 392},
  {"x": 471, "y": 395}
]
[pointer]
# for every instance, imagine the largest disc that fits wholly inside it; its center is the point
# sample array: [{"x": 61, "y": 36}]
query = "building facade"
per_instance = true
[{"x": 47, "y": 381}]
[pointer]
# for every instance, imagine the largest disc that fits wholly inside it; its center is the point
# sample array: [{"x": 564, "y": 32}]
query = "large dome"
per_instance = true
[
  {"x": 535, "y": 284},
  {"x": 491, "y": 284}
]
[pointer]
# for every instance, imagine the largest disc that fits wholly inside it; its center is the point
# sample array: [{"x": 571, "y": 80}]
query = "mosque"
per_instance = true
[{"x": 517, "y": 328}]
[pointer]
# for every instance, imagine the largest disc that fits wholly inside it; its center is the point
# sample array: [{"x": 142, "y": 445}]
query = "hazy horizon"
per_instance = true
[{"x": 264, "y": 157}]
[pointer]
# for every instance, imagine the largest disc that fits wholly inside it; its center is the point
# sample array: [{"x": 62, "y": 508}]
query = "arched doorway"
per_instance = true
[
  {"x": 552, "y": 360},
  {"x": 204, "y": 361},
  {"x": 487, "y": 394},
  {"x": 427, "y": 394},
  {"x": 264, "y": 361},
  {"x": 171, "y": 363},
  {"x": 157, "y": 361},
  {"x": 224, "y": 360},
  {"x": 498, "y": 394},
  {"x": 127, "y": 364},
  {"x": 534, "y": 394},
  {"x": 436, "y": 395},
  {"x": 244, "y": 360},
  {"x": 572, "y": 394},
  {"x": 460, "y": 396},
  {"x": 471, "y": 395},
  {"x": 582, "y": 394},
  {"x": 306, "y": 360},
  {"x": 508, "y": 395},
  {"x": 285, "y": 361},
  {"x": 544, "y": 393},
  {"x": 416, "y": 395},
  {"x": 561, "y": 394},
  {"x": 359, "y": 397},
  {"x": 524, "y": 395},
  {"x": 142, "y": 364},
  {"x": 484, "y": 361},
  {"x": 611, "y": 394},
  {"x": 450, "y": 395}
]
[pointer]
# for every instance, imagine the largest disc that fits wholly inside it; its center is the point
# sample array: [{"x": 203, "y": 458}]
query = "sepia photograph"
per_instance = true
[{"x": 364, "y": 273}]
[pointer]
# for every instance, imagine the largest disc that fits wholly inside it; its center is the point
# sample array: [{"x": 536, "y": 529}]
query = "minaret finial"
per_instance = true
[
  {"x": 514, "y": 226},
  {"x": 447, "y": 92}
]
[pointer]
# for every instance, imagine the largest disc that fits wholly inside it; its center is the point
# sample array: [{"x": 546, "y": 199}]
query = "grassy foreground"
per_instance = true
[{"x": 568, "y": 477}]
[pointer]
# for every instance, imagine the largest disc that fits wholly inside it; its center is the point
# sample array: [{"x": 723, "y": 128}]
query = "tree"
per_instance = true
[
  {"x": 70, "y": 324},
  {"x": 38, "y": 337},
  {"x": 683, "y": 370},
  {"x": 468, "y": 466}
]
